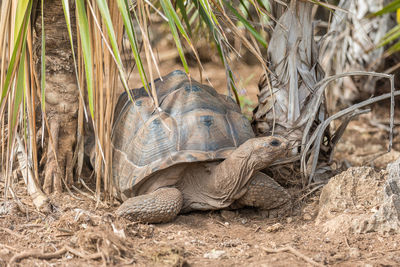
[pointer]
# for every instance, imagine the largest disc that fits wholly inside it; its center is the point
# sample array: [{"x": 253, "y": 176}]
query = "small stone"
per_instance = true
[
  {"x": 307, "y": 217},
  {"x": 318, "y": 258},
  {"x": 289, "y": 219},
  {"x": 354, "y": 253},
  {"x": 274, "y": 228},
  {"x": 231, "y": 243},
  {"x": 226, "y": 223},
  {"x": 4, "y": 251},
  {"x": 243, "y": 221},
  {"x": 8, "y": 207},
  {"x": 339, "y": 257},
  {"x": 395, "y": 258},
  {"x": 170, "y": 237},
  {"x": 214, "y": 254},
  {"x": 382, "y": 161},
  {"x": 228, "y": 215}
]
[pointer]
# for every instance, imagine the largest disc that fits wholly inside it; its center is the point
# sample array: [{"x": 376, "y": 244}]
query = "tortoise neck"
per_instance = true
[{"x": 232, "y": 174}]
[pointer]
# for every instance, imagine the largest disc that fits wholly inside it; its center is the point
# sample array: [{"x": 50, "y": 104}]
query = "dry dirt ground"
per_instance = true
[{"x": 81, "y": 232}]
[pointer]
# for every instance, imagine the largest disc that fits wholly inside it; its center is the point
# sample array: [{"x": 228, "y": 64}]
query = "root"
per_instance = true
[
  {"x": 57, "y": 254},
  {"x": 295, "y": 252},
  {"x": 52, "y": 179},
  {"x": 37, "y": 254}
]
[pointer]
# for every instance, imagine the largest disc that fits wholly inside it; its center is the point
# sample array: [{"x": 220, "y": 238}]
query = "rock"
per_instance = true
[
  {"x": 9, "y": 207},
  {"x": 347, "y": 190},
  {"x": 228, "y": 215},
  {"x": 4, "y": 251},
  {"x": 289, "y": 219},
  {"x": 354, "y": 253},
  {"x": 338, "y": 225},
  {"x": 231, "y": 243},
  {"x": 319, "y": 257},
  {"x": 307, "y": 217},
  {"x": 387, "y": 158},
  {"x": 274, "y": 228},
  {"x": 214, "y": 254},
  {"x": 347, "y": 199},
  {"x": 362, "y": 200},
  {"x": 387, "y": 218}
]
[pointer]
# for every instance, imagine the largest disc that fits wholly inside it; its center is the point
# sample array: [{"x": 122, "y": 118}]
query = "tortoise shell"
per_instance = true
[{"x": 194, "y": 123}]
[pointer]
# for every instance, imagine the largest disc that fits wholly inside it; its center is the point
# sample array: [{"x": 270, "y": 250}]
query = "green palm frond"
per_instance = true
[{"x": 393, "y": 34}]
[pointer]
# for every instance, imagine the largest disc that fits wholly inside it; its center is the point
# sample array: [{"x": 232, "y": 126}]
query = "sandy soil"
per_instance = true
[{"x": 81, "y": 233}]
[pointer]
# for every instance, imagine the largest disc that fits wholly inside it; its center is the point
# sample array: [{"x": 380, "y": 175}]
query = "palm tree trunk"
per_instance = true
[{"x": 61, "y": 95}]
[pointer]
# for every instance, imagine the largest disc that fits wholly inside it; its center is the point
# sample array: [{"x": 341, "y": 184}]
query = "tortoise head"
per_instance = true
[{"x": 263, "y": 151}]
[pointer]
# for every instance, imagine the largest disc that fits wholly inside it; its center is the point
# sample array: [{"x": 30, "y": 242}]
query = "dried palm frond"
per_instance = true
[
  {"x": 288, "y": 94},
  {"x": 292, "y": 99},
  {"x": 351, "y": 45}
]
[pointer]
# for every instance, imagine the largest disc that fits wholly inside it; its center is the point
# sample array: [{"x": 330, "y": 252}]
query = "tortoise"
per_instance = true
[{"x": 197, "y": 151}]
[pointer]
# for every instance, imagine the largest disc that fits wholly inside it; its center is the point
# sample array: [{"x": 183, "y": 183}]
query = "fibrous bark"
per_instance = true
[{"x": 61, "y": 95}]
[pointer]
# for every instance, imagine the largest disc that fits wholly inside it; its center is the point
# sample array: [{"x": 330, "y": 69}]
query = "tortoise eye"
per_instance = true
[{"x": 275, "y": 142}]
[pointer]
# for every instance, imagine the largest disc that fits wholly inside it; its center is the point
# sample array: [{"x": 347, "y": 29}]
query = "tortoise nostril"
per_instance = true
[{"x": 275, "y": 142}]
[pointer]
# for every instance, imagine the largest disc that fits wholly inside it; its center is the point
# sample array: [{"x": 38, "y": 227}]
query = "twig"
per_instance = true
[
  {"x": 83, "y": 256},
  {"x": 8, "y": 247},
  {"x": 39, "y": 255},
  {"x": 293, "y": 251},
  {"x": 311, "y": 191},
  {"x": 346, "y": 241},
  {"x": 89, "y": 196},
  {"x": 11, "y": 232},
  {"x": 65, "y": 230},
  {"x": 224, "y": 225},
  {"x": 87, "y": 187}
]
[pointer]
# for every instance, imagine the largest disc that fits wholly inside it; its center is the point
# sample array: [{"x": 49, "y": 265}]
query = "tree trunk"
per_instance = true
[{"x": 61, "y": 95}]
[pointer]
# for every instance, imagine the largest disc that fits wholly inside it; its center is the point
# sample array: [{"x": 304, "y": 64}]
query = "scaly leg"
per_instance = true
[
  {"x": 160, "y": 206},
  {"x": 265, "y": 193}
]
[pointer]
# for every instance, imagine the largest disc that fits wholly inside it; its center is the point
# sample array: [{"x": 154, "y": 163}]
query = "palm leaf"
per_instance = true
[
  {"x": 394, "y": 33},
  {"x": 86, "y": 49}
]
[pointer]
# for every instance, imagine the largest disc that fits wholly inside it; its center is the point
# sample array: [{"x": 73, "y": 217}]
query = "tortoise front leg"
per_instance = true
[
  {"x": 265, "y": 193},
  {"x": 160, "y": 206}
]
